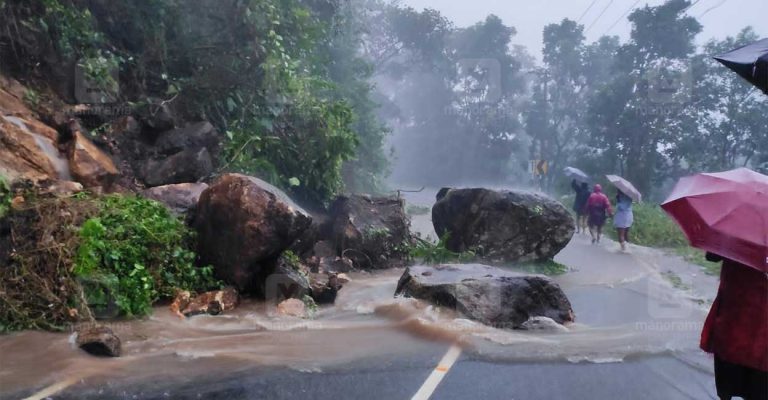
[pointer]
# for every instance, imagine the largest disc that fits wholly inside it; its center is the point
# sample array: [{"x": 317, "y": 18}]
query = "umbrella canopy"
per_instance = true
[
  {"x": 577, "y": 174},
  {"x": 750, "y": 61},
  {"x": 724, "y": 213},
  {"x": 626, "y": 187}
]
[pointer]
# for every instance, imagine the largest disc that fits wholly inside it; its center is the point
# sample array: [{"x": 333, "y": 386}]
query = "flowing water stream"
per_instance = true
[
  {"x": 60, "y": 164},
  {"x": 624, "y": 310}
]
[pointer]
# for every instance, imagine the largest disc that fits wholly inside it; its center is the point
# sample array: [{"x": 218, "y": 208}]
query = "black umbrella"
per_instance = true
[{"x": 751, "y": 62}]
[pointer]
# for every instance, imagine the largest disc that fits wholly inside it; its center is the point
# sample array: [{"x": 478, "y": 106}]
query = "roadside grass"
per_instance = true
[
  {"x": 548, "y": 267},
  {"x": 414, "y": 209},
  {"x": 425, "y": 252},
  {"x": 653, "y": 228}
]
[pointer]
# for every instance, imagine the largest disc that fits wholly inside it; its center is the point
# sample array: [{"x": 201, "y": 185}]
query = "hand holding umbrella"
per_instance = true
[{"x": 626, "y": 187}]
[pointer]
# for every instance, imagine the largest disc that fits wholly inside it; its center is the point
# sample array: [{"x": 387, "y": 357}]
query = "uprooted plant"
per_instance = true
[{"x": 74, "y": 257}]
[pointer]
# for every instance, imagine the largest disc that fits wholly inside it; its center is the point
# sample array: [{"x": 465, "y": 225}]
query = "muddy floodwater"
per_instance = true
[{"x": 625, "y": 311}]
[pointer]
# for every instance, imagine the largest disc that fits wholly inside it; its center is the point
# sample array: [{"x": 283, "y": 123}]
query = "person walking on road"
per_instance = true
[
  {"x": 736, "y": 331},
  {"x": 580, "y": 203},
  {"x": 623, "y": 219},
  {"x": 598, "y": 209}
]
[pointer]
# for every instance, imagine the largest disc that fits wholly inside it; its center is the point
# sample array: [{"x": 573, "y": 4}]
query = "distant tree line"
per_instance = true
[{"x": 652, "y": 108}]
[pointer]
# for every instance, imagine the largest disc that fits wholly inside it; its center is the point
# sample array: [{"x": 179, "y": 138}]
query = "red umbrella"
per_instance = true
[{"x": 724, "y": 213}]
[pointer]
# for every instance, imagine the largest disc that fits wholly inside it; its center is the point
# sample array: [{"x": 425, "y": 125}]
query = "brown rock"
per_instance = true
[
  {"x": 292, "y": 308},
  {"x": 90, "y": 166},
  {"x": 22, "y": 155},
  {"x": 17, "y": 202},
  {"x": 99, "y": 341},
  {"x": 343, "y": 279},
  {"x": 63, "y": 188},
  {"x": 324, "y": 287},
  {"x": 11, "y": 99},
  {"x": 243, "y": 224},
  {"x": 213, "y": 303}
]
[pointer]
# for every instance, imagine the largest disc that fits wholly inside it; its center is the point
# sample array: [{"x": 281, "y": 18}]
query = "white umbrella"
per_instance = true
[
  {"x": 577, "y": 174},
  {"x": 626, "y": 187}
]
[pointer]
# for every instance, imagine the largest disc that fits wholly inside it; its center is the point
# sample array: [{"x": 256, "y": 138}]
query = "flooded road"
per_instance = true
[{"x": 636, "y": 337}]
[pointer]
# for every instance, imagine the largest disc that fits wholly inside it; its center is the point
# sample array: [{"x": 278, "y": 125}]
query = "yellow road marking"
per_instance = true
[{"x": 437, "y": 375}]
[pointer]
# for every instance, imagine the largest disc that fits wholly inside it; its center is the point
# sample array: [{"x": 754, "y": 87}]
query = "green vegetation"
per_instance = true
[
  {"x": 283, "y": 80},
  {"x": 675, "y": 280},
  {"x": 437, "y": 253},
  {"x": 83, "y": 256},
  {"x": 292, "y": 260},
  {"x": 31, "y": 97},
  {"x": 548, "y": 267},
  {"x": 136, "y": 252},
  {"x": 310, "y": 306},
  {"x": 5, "y": 196}
]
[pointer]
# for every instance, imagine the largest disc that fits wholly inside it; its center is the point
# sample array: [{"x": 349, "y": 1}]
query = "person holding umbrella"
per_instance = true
[
  {"x": 598, "y": 209},
  {"x": 624, "y": 218},
  {"x": 726, "y": 214},
  {"x": 580, "y": 203},
  {"x": 626, "y": 194}
]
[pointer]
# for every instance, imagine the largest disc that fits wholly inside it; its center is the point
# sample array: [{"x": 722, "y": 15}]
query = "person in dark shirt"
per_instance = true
[{"x": 580, "y": 204}]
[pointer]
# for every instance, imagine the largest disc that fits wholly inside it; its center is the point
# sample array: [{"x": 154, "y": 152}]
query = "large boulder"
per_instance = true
[
  {"x": 89, "y": 165},
  {"x": 490, "y": 295},
  {"x": 22, "y": 154},
  {"x": 243, "y": 224},
  {"x": 371, "y": 231},
  {"x": 502, "y": 226}
]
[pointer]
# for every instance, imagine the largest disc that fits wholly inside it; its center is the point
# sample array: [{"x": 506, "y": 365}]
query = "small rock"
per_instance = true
[
  {"x": 335, "y": 264},
  {"x": 343, "y": 279},
  {"x": 543, "y": 324},
  {"x": 99, "y": 341},
  {"x": 292, "y": 308},
  {"x": 212, "y": 303},
  {"x": 64, "y": 188},
  {"x": 180, "y": 302},
  {"x": 17, "y": 202},
  {"x": 325, "y": 287}
]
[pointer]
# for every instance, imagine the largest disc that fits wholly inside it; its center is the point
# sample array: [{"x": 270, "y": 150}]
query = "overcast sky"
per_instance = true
[{"x": 720, "y": 18}]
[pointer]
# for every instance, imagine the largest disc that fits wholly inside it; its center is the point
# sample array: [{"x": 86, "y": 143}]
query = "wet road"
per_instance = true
[{"x": 636, "y": 339}]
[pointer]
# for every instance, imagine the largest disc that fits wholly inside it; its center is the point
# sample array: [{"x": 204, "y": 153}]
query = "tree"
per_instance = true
[
  {"x": 730, "y": 114},
  {"x": 556, "y": 118},
  {"x": 457, "y": 93},
  {"x": 639, "y": 115}
]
